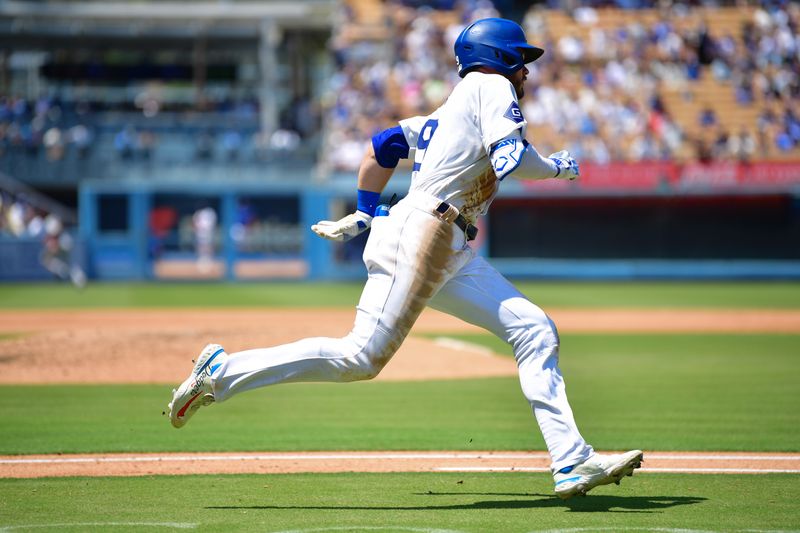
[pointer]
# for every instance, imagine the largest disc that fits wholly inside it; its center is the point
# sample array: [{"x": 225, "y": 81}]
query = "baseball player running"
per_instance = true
[{"x": 419, "y": 255}]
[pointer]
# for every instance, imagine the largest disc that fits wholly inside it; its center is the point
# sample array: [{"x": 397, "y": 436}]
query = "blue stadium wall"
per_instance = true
[{"x": 529, "y": 233}]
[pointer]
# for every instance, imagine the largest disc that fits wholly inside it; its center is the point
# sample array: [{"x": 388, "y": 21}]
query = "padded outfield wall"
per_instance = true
[{"x": 650, "y": 220}]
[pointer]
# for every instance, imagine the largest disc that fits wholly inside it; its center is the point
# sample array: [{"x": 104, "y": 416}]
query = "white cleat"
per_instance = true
[
  {"x": 595, "y": 471},
  {"x": 196, "y": 391}
]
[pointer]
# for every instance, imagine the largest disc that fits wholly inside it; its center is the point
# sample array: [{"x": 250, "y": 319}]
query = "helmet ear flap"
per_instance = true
[{"x": 507, "y": 59}]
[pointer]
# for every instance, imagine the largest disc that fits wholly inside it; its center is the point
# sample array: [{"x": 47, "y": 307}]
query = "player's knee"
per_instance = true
[
  {"x": 367, "y": 365},
  {"x": 373, "y": 353},
  {"x": 370, "y": 371},
  {"x": 535, "y": 338},
  {"x": 551, "y": 333},
  {"x": 526, "y": 322},
  {"x": 367, "y": 369},
  {"x": 379, "y": 357},
  {"x": 543, "y": 335}
]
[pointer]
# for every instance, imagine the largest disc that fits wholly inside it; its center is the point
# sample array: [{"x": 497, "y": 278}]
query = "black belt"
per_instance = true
[{"x": 469, "y": 230}]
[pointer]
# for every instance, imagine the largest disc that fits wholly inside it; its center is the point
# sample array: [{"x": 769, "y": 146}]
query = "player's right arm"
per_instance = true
[{"x": 376, "y": 169}]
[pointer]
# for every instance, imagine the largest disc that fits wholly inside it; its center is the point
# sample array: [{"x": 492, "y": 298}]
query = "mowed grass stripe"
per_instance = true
[
  {"x": 655, "y": 294},
  {"x": 467, "y": 502},
  {"x": 700, "y": 388}
]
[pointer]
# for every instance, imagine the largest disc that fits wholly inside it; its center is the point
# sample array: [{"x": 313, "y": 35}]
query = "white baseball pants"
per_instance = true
[{"x": 414, "y": 259}]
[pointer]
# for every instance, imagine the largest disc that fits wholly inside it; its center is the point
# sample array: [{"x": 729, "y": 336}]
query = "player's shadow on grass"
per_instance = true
[{"x": 589, "y": 504}]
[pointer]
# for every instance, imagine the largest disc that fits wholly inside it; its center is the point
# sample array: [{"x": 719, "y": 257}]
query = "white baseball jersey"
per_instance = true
[{"x": 451, "y": 145}]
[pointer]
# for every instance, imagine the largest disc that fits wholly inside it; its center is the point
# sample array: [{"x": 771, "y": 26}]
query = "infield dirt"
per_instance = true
[{"x": 97, "y": 346}]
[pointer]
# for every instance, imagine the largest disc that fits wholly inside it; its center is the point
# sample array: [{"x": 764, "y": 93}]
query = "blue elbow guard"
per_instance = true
[{"x": 390, "y": 147}]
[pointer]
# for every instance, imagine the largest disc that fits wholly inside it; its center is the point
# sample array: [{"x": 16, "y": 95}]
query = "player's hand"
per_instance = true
[
  {"x": 567, "y": 167},
  {"x": 344, "y": 229}
]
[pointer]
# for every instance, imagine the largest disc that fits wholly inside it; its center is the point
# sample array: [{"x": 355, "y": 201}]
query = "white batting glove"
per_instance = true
[
  {"x": 568, "y": 168},
  {"x": 344, "y": 229}
]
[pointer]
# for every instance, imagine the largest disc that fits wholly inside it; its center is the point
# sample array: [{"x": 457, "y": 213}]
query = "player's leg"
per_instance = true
[
  {"x": 480, "y": 295},
  {"x": 409, "y": 256}
]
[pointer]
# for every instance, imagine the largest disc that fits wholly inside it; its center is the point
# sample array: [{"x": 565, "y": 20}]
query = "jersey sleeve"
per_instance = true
[
  {"x": 499, "y": 111},
  {"x": 411, "y": 128}
]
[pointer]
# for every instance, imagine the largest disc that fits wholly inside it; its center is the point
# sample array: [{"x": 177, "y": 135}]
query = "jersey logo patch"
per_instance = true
[{"x": 513, "y": 113}]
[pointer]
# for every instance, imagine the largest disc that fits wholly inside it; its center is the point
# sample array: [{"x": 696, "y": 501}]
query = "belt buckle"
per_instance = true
[{"x": 449, "y": 214}]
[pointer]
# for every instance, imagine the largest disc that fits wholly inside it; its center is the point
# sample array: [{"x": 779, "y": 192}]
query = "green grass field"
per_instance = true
[
  {"x": 735, "y": 392},
  {"x": 758, "y": 295},
  {"x": 441, "y": 502}
]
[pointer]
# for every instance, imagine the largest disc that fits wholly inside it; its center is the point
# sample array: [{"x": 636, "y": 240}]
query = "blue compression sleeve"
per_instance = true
[
  {"x": 390, "y": 147},
  {"x": 368, "y": 201}
]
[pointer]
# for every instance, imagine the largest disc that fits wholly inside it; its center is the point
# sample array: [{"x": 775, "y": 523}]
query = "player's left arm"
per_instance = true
[
  {"x": 376, "y": 169},
  {"x": 514, "y": 155},
  {"x": 502, "y": 125}
]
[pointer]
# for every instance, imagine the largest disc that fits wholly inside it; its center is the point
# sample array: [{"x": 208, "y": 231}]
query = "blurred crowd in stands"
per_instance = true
[
  {"x": 39, "y": 126},
  {"x": 20, "y": 218},
  {"x": 636, "y": 88},
  {"x": 599, "y": 90},
  {"x": 54, "y": 130},
  {"x": 23, "y": 219}
]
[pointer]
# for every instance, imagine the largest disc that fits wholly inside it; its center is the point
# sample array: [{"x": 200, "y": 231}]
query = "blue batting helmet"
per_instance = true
[{"x": 496, "y": 43}]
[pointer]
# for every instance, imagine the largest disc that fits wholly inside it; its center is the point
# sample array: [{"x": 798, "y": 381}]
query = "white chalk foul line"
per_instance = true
[
  {"x": 388, "y": 456},
  {"x": 441, "y": 456},
  {"x": 726, "y": 470},
  {"x": 643, "y": 469},
  {"x": 720, "y": 457},
  {"x": 267, "y": 457},
  {"x": 492, "y": 469}
]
